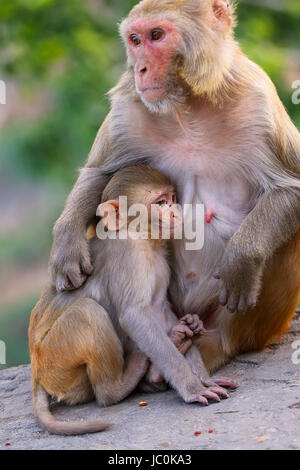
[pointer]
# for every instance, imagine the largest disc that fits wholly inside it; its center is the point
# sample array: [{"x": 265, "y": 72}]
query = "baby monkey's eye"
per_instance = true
[
  {"x": 157, "y": 34},
  {"x": 161, "y": 202}
]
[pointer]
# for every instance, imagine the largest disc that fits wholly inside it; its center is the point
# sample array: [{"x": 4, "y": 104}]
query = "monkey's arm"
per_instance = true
[
  {"x": 181, "y": 333},
  {"x": 273, "y": 222},
  {"x": 155, "y": 343},
  {"x": 70, "y": 262}
]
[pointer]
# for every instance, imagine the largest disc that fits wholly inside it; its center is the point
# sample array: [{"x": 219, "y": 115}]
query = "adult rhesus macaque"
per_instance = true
[
  {"x": 195, "y": 107},
  {"x": 78, "y": 339}
]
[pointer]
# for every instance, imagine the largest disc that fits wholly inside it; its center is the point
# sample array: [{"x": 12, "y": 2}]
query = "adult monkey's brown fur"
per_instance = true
[{"x": 194, "y": 106}]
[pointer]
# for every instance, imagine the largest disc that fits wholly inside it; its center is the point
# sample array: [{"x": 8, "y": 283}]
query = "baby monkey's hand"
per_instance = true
[
  {"x": 188, "y": 327},
  {"x": 182, "y": 336},
  {"x": 194, "y": 323}
]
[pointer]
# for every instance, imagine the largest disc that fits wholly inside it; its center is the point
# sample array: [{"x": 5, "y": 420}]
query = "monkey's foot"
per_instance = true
[
  {"x": 213, "y": 393},
  {"x": 223, "y": 382},
  {"x": 181, "y": 335},
  {"x": 216, "y": 384}
]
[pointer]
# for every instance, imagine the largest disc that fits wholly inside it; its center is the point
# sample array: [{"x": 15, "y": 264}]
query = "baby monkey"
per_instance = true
[{"x": 97, "y": 341}]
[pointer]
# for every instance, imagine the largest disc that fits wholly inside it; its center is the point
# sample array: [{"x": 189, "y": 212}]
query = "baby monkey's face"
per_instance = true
[
  {"x": 165, "y": 216},
  {"x": 149, "y": 213}
]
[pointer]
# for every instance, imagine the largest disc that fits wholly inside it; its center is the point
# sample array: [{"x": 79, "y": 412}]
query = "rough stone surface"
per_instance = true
[{"x": 263, "y": 414}]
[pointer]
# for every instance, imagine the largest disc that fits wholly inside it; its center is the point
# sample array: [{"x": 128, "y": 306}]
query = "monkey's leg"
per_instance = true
[
  {"x": 82, "y": 352},
  {"x": 181, "y": 335},
  {"x": 111, "y": 392},
  {"x": 269, "y": 320}
]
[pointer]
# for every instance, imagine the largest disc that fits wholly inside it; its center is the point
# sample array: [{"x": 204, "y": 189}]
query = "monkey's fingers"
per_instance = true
[
  {"x": 221, "y": 392},
  {"x": 242, "y": 306},
  {"x": 197, "y": 399},
  {"x": 211, "y": 394},
  {"x": 73, "y": 276},
  {"x": 233, "y": 302},
  {"x": 231, "y": 299},
  {"x": 76, "y": 278},
  {"x": 194, "y": 323},
  {"x": 225, "y": 382},
  {"x": 240, "y": 303},
  {"x": 181, "y": 336},
  {"x": 223, "y": 297},
  {"x": 198, "y": 326},
  {"x": 187, "y": 319},
  {"x": 180, "y": 331},
  {"x": 185, "y": 330},
  {"x": 185, "y": 346},
  {"x": 63, "y": 283},
  {"x": 241, "y": 295},
  {"x": 86, "y": 265}
]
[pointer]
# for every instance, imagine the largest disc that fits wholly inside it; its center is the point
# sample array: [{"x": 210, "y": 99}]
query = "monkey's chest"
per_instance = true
[
  {"x": 223, "y": 205},
  {"x": 225, "y": 193}
]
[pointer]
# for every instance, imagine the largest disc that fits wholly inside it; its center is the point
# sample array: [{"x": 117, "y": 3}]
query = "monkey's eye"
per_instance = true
[
  {"x": 157, "y": 34},
  {"x": 161, "y": 202},
  {"x": 135, "y": 39}
]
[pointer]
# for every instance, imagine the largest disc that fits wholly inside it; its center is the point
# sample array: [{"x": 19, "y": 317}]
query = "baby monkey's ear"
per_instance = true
[{"x": 110, "y": 213}]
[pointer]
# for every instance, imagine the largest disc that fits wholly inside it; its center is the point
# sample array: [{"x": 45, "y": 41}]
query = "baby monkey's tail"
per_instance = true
[{"x": 41, "y": 407}]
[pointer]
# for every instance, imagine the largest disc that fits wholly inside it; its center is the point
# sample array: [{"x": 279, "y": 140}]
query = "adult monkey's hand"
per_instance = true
[
  {"x": 70, "y": 262},
  {"x": 240, "y": 278},
  {"x": 271, "y": 223}
]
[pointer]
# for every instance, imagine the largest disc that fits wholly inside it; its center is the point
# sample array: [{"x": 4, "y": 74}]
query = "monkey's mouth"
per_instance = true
[{"x": 153, "y": 94}]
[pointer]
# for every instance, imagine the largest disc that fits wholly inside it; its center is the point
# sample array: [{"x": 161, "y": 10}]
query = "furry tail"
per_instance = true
[{"x": 41, "y": 406}]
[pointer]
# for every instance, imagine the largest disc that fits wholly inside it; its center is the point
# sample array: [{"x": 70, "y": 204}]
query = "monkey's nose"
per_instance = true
[{"x": 143, "y": 70}]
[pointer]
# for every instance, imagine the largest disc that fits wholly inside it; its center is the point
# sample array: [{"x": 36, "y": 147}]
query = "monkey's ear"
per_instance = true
[
  {"x": 110, "y": 213},
  {"x": 222, "y": 12}
]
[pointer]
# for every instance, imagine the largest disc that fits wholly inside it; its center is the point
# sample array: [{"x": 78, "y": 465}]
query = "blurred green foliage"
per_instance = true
[
  {"x": 69, "y": 51},
  {"x": 13, "y": 328}
]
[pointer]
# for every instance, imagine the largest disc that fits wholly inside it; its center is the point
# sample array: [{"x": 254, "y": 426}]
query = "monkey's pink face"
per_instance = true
[
  {"x": 166, "y": 213},
  {"x": 152, "y": 45}
]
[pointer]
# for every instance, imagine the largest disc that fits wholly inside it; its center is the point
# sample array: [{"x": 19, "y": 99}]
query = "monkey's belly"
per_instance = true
[
  {"x": 226, "y": 203},
  {"x": 193, "y": 288}
]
